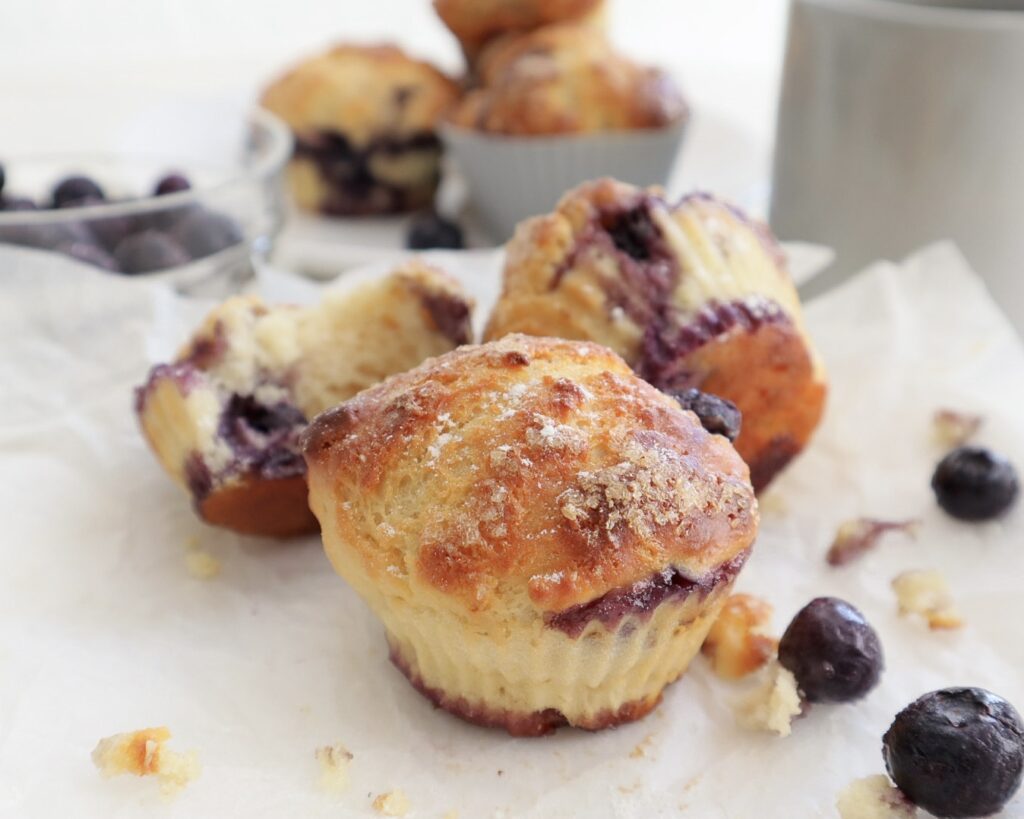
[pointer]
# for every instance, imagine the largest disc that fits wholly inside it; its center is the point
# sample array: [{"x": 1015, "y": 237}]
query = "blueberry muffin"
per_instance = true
[
  {"x": 691, "y": 294},
  {"x": 363, "y": 119},
  {"x": 566, "y": 79},
  {"x": 224, "y": 418},
  {"x": 477, "y": 22},
  {"x": 546, "y": 537}
]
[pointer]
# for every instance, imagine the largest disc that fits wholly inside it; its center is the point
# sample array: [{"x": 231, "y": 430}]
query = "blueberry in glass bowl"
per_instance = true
[{"x": 198, "y": 221}]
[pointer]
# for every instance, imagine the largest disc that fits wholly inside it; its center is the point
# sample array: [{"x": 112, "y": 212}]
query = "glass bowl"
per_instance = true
[{"x": 203, "y": 240}]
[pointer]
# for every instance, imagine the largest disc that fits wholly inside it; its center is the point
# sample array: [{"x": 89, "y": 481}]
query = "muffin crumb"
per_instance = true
[
  {"x": 640, "y": 750},
  {"x": 142, "y": 753},
  {"x": 952, "y": 429},
  {"x": 393, "y": 803},
  {"x": 874, "y": 797},
  {"x": 926, "y": 592},
  {"x": 737, "y": 644},
  {"x": 857, "y": 537},
  {"x": 201, "y": 564},
  {"x": 334, "y": 763},
  {"x": 773, "y": 705}
]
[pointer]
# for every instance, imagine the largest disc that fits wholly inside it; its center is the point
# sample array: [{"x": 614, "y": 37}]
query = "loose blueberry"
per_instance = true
[
  {"x": 202, "y": 232},
  {"x": 148, "y": 251},
  {"x": 89, "y": 253},
  {"x": 429, "y": 230},
  {"x": 832, "y": 651},
  {"x": 956, "y": 752},
  {"x": 172, "y": 183},
  {"x": 972, "y": 483},
  {"x": 716, "y": 415},
  {"x": 76, "y": 188}
]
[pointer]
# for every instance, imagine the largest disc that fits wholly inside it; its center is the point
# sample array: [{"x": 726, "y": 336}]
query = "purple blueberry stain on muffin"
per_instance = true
[
  {"x": 641, "y": 598},
  {"x": 666, "y": 344},
  {"x": 347, "y": 170},
  {"x": 450, "y": 313}
]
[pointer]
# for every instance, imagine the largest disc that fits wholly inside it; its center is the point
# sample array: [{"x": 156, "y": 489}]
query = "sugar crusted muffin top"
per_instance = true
[
  {"x": 532, "y": 470},
  {"x": 364, "y": 92},
  {"x": 566, "y": 79}
]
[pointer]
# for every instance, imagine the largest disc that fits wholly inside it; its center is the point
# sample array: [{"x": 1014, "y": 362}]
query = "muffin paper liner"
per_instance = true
[
  {"x": 529, "y": 668},
  {"x": 512, "y": 178}
]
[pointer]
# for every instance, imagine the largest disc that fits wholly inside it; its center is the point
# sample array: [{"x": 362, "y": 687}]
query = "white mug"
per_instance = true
[{"x": 901, "y": 122}]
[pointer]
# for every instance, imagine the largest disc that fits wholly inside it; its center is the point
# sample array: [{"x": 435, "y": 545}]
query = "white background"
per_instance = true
[{"x": 71, "y": 67}]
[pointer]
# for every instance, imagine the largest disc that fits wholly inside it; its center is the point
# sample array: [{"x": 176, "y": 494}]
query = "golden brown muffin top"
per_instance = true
[
  {"x": 623, "y": 266},
  {"x": 362, "y": 92},
  {"x": 475, "y": 22},
  {"x": 529, "y": 470},
  {"x": 566, "y": 79}
]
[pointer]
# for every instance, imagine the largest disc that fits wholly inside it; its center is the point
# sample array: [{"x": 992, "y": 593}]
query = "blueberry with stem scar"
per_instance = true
[
  {"x": 957, "y": 752},
  {"x": 833, "y": 652}
]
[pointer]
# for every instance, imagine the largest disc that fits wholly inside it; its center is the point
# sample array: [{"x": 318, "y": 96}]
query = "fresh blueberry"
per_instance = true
[
  {"x": 972, "y": 483},
  {"x": 17, "y": 203},
  {"x": 202, "y": 232},
  {"x": 429, "y": 230},
  {"x": 75, "y": 188},
  {"x": 110, "y": 230},
  {"x": 832, "y": 651},
  {"x": 148, "y": 251},
  {"x": 956, "y": 752},
  {"x": 716, "y": 415},
  {"x": 40, "y": 236},
  {"x": 89, "y": 253},
  {"x": 172, "y": 183}
]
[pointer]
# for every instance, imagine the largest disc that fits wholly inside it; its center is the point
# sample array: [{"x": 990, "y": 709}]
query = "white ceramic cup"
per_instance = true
[{"x": 901, "y": 122}]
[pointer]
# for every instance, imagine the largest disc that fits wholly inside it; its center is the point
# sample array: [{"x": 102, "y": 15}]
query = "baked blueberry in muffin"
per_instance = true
[
  {"x": 477, "y": 22},
  {"x": 546, "y": 537},
  {"x": 363, "y": 119},
  {"x": 224, "y": 417},
  {"x": 691, "y": 294},
  {"x": 565, "y": 79}
]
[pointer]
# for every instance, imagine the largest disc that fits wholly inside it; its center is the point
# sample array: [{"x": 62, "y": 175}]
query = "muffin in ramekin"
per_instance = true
[
  {"x": 691, "y": 293},
  {"x": 546, "y": 537},
  {"x": 224, "y": 417},
  {"x": 475, "y": 23},
  {"x": 554, "y": 108},
  {"x": 364, "y": 121}
]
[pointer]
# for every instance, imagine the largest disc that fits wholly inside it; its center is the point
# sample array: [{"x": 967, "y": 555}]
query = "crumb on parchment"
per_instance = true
[
  {"x": 202, "y": 565},
  {"x": 874, "y": 797},
  {"x": 927, "y": 593},
  {"x": 858, "y": 536},
  {"x": 198, "y": 562},
  {"x": 773, "y": 705},
  {"x": 143, "y": 753},
  {"x": 393, "y": 803},
  {"x": 952, "y": 428},
  {"x": 334, "y": 764},
  {"x": 737, "y": 644}
]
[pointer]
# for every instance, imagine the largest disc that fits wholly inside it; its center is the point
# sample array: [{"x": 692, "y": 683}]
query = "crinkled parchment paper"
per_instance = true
[{"x": 102, "y": 628}]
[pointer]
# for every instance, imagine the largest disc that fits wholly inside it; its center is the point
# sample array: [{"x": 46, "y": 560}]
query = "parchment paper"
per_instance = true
[{"x": 102, "y": 629}]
